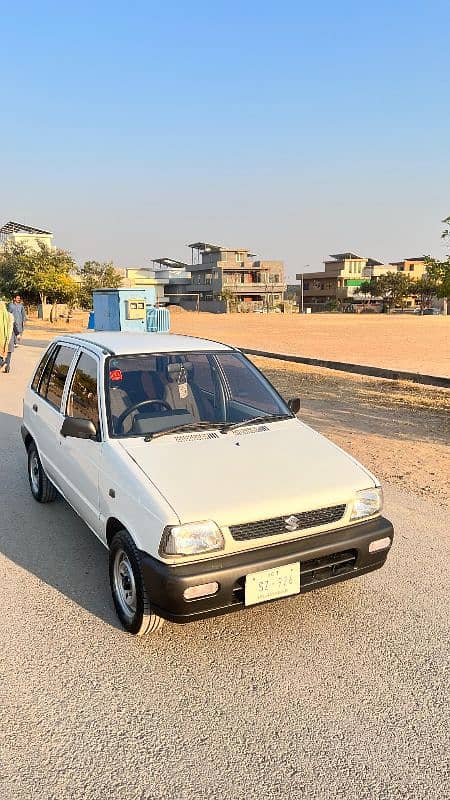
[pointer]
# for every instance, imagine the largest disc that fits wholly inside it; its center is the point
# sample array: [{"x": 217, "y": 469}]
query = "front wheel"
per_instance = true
[
  {"x": 127, "y": 586},
  {"x": 41, "y": 488}
]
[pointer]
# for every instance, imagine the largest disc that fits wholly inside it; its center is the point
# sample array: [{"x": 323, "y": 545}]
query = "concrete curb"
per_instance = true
[{"x": 359, "y": 369}]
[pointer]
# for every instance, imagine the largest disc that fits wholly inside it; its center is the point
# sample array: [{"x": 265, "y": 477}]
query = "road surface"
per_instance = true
[{"x": 339, "y": 693}]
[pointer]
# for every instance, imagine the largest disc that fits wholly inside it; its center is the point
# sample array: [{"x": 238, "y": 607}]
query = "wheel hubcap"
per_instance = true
[
  {"x": 124, "y": 584},
  {"x": 34, "y": 473}
]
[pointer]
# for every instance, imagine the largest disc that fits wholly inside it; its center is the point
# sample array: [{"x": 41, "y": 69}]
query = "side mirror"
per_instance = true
[
  {"x": 78, "y": 428},
  {"x": 294, "y": 404}
]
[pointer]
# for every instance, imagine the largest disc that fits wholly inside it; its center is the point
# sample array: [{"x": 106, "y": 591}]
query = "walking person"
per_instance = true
[
  {"x": 17, "y": 309},
  {"x": 7, "y": 335}
]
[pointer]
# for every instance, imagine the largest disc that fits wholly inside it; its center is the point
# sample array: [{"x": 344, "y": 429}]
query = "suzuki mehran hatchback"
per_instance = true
[{"x": 209, "y": 493}]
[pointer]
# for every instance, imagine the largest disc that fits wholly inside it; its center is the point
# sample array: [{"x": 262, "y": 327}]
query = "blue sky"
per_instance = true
[{"x": 291, "y": 128}]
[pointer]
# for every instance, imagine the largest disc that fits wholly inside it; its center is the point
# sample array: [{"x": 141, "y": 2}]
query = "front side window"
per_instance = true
[
  {"x": 147, "y": 394},
  {"x": 55, "y": 374},
  {"x": 40, "y": 369},
  {"x": 82, "y": 401}
]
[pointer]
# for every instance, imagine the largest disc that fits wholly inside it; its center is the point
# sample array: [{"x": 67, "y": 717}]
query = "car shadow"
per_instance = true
[{"x": 49, "y": 540}]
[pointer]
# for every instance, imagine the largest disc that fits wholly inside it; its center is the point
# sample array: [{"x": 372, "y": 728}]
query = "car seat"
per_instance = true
[{"x": 180, "y": 393}]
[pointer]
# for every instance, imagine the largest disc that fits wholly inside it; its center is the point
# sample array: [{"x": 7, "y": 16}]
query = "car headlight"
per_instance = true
[
  {"x": 367, "y": 503},
  {"x": 192, "y": 538}
]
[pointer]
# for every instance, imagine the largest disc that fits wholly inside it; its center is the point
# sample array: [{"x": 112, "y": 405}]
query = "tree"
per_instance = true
[
  {"x": 96, "y": 275},
  {"x": 439, "y": 271},
  {"x": 392, "y": 288},
  {"x": 446, "y": 231},
  {"x": 425, "y": 289},
  {"x": 364, "y": 289},
  {"x": 43, "y": 274}
]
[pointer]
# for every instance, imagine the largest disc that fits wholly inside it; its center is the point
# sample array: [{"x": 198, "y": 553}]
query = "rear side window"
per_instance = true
[
  {"x": 83, "y": 397},
  {"x": 37, "y": 375},
  {"x": 55, "y": 374}
]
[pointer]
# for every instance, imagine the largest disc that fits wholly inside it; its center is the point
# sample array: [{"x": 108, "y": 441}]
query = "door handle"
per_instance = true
[{"x": 35, "y": 408}]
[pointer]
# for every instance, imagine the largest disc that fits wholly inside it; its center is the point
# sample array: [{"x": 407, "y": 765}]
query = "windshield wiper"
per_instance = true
[
  {"x": 224, "y": 426},
  {"x": 254, "y": 420},
  {"x": 188, "y": 426}
]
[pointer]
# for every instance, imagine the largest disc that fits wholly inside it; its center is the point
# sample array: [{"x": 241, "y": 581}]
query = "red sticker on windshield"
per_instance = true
[{"x": 115, "y": 375}]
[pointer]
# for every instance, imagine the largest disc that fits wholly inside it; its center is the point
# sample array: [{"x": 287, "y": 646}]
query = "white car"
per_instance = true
[{"x": 208, "y": 492}]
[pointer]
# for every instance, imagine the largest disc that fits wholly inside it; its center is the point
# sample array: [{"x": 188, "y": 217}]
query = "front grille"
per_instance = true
[
  {"x": 316, "y": 570},
  {"x": 278, "y": 525}
]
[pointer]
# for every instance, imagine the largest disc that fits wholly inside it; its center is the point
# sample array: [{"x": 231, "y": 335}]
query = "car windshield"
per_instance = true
[{"x": 152, "y": 393}]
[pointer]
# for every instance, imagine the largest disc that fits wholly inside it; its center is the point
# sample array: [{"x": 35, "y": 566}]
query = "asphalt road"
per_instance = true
[{"x": 341, "y": 693}]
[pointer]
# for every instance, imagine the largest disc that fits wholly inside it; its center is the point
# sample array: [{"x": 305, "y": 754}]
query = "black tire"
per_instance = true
[
  {"x": 129, "y": 594},
  {"x": 41, "y": 488}
]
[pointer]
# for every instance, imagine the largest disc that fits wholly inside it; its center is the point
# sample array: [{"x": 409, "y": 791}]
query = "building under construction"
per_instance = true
[{"x": 235, "y": 274}]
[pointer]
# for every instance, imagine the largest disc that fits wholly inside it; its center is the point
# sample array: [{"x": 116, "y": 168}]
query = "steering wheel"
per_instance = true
[{"x": 128, "y": 411}]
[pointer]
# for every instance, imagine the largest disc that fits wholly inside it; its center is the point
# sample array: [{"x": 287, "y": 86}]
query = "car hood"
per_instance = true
[{"x": 251, "y": 473}]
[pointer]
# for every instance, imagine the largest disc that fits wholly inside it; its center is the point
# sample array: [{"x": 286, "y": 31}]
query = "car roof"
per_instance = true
[{"x": 128, "y": 343}]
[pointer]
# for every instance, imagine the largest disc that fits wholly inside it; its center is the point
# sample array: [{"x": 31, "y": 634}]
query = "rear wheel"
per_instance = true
[
  {"x": 41, "y": 488},
  {"x": 127, "y": 586}
]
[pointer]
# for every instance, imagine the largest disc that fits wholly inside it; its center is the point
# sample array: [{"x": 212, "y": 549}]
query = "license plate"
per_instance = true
[{"x": 272, "y": 583}]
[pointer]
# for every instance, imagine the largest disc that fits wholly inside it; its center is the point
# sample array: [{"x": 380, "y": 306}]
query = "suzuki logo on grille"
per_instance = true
[{"x": 292, "y": 523}]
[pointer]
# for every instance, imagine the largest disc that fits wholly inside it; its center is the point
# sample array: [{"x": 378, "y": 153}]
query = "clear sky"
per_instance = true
[{"x": 295, "y": 129}]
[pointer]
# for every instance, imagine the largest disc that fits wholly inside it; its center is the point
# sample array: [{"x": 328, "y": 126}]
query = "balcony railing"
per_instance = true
[{"x": 255, "y": 287}]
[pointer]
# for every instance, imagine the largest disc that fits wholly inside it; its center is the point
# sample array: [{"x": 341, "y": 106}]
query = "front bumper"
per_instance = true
[{"x": 324, "y": 559}]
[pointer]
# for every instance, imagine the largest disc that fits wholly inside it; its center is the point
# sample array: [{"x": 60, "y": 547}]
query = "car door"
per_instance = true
[
  {"x": 80, "y": 458},
  {"x": 46, "y": 416}
]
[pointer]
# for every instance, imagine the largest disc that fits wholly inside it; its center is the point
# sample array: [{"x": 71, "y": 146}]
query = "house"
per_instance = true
[
  {"x": 338, "y": 282},
  {"x": 343, "y": 275},
  {"x": 18, "y": 233},
  {"x": 236, "y": 274},
  {"x": 413, "y": 267}
]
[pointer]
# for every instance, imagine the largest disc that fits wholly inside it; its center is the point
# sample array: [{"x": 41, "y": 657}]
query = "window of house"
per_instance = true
[
  {"x": 401, "y": 268},
  {"x": 55, "y": 374},
  {"x": 208, "y": 278},
  {"x": 411, "y": 267},
  {"x": 83, "y": 398},
  {"x": 215, "y": 275},
  {"x": 306, "y": 285}
]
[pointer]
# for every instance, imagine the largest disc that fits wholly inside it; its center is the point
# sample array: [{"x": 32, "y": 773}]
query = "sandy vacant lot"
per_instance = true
[{"x": 408, "y": 342}]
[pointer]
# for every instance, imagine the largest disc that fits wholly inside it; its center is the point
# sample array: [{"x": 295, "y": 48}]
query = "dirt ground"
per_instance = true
[
  {"x": 398, "y": 429},
  {"x": 397, "y": 341}
]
